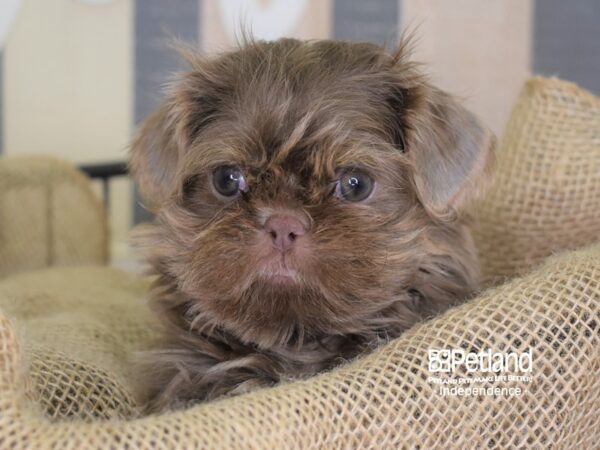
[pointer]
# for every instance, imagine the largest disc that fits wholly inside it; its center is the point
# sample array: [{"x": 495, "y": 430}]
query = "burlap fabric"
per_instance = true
[
  {"x": 49, "y": 216},
  {"x": 77, "y": 328},
  {"x": 381, "y": 401},
  {"x": 546, "y": 195}
]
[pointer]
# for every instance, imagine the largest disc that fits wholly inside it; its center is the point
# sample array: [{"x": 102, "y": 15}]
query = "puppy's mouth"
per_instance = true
[
  {"x": 280, "y": 274},
  {"x": 279, "y": 268}
]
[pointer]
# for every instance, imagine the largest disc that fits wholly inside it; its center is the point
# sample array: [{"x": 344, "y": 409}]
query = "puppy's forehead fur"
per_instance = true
[{"x": 328, "y": 104}]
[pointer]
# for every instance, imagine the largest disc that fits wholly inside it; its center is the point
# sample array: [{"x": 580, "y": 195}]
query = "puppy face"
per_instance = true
[{"x": 309, "y": 189}]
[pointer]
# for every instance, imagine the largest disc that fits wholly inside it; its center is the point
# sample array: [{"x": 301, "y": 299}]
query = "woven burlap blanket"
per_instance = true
[
  {"x": 67, "y": 335},
  {"x": 49, "y": 216}
]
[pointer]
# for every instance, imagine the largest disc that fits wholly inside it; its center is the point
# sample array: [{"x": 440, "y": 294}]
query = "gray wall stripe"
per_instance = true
[
  {"x": 362, "y": 20},
  {"x": 566, "y": 41},
  {"x": 155, "y": 61}
]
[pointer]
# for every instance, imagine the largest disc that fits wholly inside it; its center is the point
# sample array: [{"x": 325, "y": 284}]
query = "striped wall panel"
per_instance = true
[
  {"x": 99, "y": 60},
  {"x": 567, "y": 41},
  {"x": 359, "y": 20},
  {"x": 156, "y": 21}
]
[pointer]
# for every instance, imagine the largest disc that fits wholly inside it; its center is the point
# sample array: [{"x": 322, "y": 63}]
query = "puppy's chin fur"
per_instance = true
[{"x": 292, "y": 116}]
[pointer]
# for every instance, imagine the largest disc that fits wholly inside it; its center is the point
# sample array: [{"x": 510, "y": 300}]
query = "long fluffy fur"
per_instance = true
[{"x": 292, "y": 114}]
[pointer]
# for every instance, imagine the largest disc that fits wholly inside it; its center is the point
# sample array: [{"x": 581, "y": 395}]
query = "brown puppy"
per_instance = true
[{"x": 311, "y": 201}]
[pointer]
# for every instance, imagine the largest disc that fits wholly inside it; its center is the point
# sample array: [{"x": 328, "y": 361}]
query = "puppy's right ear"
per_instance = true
[
  {"x": 452, "y": 155},
  {"x": 154, "y": 157}
]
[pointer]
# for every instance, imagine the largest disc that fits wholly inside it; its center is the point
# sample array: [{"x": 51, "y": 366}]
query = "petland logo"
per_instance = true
[{"x": 448, "y": 360}]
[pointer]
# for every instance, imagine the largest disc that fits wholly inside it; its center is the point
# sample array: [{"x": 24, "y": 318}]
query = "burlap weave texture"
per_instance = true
[
  {"x": 79, "y": 328},
  {"x": 546, "y": 194},
  {"x": 49, "y": 216},
  {"x": 383, "y": 400}
]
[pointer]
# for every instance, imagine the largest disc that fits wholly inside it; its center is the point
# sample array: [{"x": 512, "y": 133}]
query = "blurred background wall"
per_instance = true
[{"x": 76, "y": 76}]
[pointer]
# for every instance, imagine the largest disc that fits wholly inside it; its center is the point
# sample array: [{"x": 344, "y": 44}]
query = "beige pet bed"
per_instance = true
[{"x": 67, "y": 334}]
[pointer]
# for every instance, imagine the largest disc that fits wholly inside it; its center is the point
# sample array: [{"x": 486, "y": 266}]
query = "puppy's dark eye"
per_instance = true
[
  {"x": 354, "y": 186},
  {"x": 229, "y": 180}
]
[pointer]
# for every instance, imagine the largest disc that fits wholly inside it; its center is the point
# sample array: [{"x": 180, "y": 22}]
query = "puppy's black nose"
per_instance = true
[{"x": 284, "y": 229}]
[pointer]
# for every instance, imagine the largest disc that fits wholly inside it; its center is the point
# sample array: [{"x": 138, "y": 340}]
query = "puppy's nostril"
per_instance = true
[{"x": 284, "y": 230}]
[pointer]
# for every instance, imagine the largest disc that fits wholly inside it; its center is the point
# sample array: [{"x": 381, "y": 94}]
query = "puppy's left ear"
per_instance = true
[
  {"x": 154, "y": 157},
  {"x": 164, "y": 137},
  {"x": 452, "y": 154}
]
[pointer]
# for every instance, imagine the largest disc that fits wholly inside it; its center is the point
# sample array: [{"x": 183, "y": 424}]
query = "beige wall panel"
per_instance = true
[
  {"x": 68, "y": 81},
  {"x": 311, "y": 20},
  {"x": 478, "y": 50}
]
